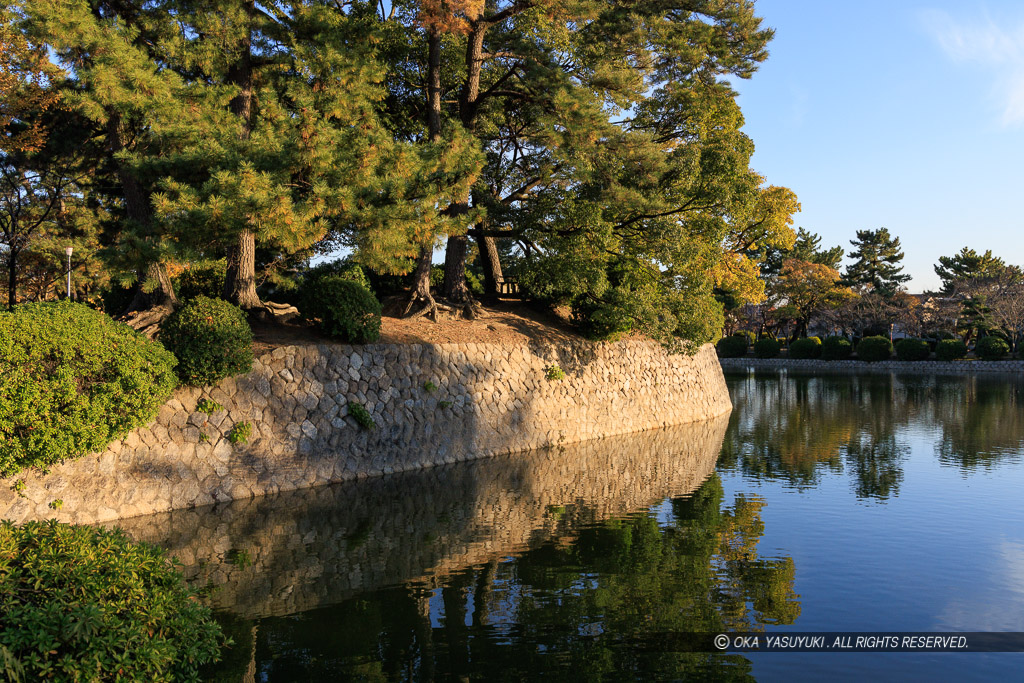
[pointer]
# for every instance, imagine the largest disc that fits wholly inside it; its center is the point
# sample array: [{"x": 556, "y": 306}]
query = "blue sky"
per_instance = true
[{"x": 906, "y": 115}]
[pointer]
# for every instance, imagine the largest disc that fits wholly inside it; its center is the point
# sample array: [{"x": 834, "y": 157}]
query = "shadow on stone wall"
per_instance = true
[
  {"x": 299, "y": 550},
  {"x": 432, "y": 405}
]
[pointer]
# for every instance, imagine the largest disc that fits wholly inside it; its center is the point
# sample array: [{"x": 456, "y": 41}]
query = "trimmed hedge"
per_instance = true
[
  {"x": 991, "y": 348},
  {"x": 71, "y": 381},
  {"x": 211, "y": 338},
  {"x": 342, "y": 308},
  {"x": 836, "y": 348},
  {"x": 768, "y": 347},
  {"x": 873, "y": 349},
  {"x": 913, "y": 349},
  {"x": 81, "y": 603},
  {"x": 732, "y": 347},
  {"x": 806, "y": 348},
  {"x": 950, "y": 349}
]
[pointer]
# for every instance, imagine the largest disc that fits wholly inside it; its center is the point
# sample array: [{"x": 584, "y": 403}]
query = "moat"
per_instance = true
[{"x": 876, "y": 503}]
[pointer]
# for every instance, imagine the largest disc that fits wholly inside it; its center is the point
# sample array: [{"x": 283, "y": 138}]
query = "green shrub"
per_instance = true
[
  {"x": 342, "y": 308},
  {"x": 71, "y": 381},
  {"x": 769, "y": 347},
  {"x": 732, "y": 347},
  {"x": 873, "y": 349},
  {"x": 991, "y": 348},
  {"x": 912, "y": 349},
  {"x": 240, "y": 433},
  {"x": 211, "y": 338},
  {"x": 87, "y": 604},
  {"x": 345, "y": 268},
  {"x": 203, "y": 278},
  {"x": 836, "y": 348},
  {"x": 361, "y": 415},
  {"x": 746, "y": 334},
  {"x": 950, "y": 349},
  {"x": 554, "y": 373},
  {"x": 806, "y": 348}
]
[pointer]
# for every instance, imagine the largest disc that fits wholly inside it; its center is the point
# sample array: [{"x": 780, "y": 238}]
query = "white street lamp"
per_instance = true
[{"x": 68, "y": 251}]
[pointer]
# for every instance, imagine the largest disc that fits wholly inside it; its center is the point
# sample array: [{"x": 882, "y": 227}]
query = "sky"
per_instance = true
[{"x": 906, "y": 115}]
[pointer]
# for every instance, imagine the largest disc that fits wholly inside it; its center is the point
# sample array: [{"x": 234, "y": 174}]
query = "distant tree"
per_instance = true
[
  {"x": 806, "y": 247},
  {"x": 967, "y": 264},
  {"x": 1008, "y": 303},
  {"x": 809, "y": 289},
  {"x": 876, "y": 265}
]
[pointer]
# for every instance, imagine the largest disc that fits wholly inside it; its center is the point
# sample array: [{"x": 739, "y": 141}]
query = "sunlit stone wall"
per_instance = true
[{"x": 431, "y": 404}]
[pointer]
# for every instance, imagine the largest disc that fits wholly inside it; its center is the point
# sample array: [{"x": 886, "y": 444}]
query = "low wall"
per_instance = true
[
  {"x": 931, "y": 367},
  {"x": 432, "y": 404}
]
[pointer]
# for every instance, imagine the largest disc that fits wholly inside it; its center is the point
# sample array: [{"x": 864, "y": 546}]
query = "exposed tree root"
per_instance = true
[
  {"x": 269, "y": 311},
  {"x": 147, "y": 321}
]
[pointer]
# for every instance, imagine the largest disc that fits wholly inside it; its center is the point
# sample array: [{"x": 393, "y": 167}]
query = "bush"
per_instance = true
[
  {"x": 950, "y": 349},
  {"x": 211, "y": 338},
  {"x": 808, "y": 347},
  {"x": 342, "y": 309},
  {"x": 203, "y": 278},
  {"x": 769, "y": 347},
  {"x": 836, "y": 348},
  {"x": 71, "y": 381},
  {"x": 873, "y": 349},
  {"x": 345, "y": 268},
  {"x": 991, "y": 348},
  {"x": 732, "y": 347},
  {"x": 913, "y": 349},
  {"x": 84, "y": 603}
]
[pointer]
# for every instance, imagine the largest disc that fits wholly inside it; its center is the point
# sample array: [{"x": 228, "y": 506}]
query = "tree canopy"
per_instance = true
[
  {"x": 592, "y": 150},
  {"x": 876, "y": 265}
]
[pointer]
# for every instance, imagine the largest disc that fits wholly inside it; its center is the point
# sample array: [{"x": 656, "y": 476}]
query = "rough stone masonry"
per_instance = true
[{"x": 431, "y": 404}]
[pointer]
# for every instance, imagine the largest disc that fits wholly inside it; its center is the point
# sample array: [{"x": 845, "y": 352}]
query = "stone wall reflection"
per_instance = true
[{"x": 303, "y": 549}]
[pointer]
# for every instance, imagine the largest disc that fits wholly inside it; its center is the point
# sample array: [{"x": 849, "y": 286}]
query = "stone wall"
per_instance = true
[
  {"x": 930, "y": 367},
  {"x": 431, "y": 404}
]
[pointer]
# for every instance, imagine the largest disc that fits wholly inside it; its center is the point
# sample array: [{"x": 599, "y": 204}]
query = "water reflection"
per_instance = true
[
  {"x": 798, "y": 427},
  {"x": 554, "y": 563},
  {"x": 571, "y": 608},
  {"x": 299, "y": 550}
]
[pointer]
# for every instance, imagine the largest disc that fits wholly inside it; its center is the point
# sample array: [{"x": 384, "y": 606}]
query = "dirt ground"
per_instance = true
[{"x": 506, "y": 322}]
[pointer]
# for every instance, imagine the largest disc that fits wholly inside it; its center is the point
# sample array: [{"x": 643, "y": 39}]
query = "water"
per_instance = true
[{"x": 871, "y": 503}]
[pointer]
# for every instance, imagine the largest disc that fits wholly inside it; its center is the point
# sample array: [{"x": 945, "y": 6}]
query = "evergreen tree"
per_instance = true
[
  {"x": 876, "y": 265},
  {"x": 636, "y": 215},
  {"x": 967, "y": 264}
]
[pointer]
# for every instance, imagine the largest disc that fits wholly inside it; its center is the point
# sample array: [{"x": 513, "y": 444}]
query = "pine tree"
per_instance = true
[
  {"x": 967, "y": 264},
  {"x": 637, "y": 215},
  {"x": 876, "y": 265}
]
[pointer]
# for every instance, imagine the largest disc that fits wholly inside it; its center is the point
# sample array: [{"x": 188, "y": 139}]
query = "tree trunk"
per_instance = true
[
  {"x": 491, "y": 262},
  {"x": 420, "y": 294},
  {"x": 240, "y": 282},
  {"x": 140, "y": 215},
  {"x": 12, "y": 278},
  {"x": 455, "y": 288}
]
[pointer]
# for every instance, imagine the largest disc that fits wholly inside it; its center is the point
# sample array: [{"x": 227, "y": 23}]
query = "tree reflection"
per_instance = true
[
  {"x": 573, "y": 608},
  {"x": 797, "y": 428},
  {"x": 982, "y": 423}
]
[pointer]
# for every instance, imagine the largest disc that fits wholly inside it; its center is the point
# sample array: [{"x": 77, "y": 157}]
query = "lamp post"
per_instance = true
[{"x": 68, "y": 251}]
